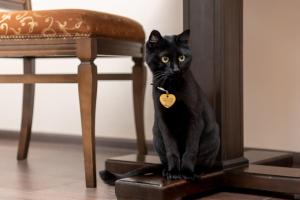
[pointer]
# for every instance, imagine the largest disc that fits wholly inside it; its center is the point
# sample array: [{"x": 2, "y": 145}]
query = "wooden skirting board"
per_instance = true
[
  {"x": 269, "y": 171},
  {"x": 129, "y": 144}
]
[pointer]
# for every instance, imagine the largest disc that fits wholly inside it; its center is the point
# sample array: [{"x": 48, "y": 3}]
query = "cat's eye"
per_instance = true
[
  {"x": 165, "y": 59},
  {"x": 181, "y": 58}
]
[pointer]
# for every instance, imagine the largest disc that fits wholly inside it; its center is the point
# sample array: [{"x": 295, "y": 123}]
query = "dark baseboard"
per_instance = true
[
  {"x": 76, "y": 139},
  {"x": 273, "y": 150},
  {"x": 100, "y": 141}
]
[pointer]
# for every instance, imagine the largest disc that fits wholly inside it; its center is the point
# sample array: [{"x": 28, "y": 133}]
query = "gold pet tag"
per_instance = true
[{"x": 167, "y": 100}]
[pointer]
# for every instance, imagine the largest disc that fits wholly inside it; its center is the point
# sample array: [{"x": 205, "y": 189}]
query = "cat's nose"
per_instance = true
[
  {"x": 176, "y": 72},
  {"x": 176, "y": 69}
]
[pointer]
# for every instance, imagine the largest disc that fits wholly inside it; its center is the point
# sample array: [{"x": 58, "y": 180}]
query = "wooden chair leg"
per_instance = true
[
  {"x": 27, "y": 112},
  {"x": 87, "y": 85},
  {"x": 139, "y": 74}
]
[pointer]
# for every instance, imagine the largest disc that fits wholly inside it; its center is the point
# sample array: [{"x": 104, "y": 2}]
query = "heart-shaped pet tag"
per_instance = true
[{"x": 167, "y": 100}]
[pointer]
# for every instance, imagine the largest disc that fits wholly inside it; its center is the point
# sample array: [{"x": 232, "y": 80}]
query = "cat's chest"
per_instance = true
[{"x": 176, "y": 115}]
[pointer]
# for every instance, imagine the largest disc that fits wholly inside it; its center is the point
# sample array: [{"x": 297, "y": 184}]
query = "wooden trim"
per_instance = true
[
  {"x": 256, "y": 177},
  {"x": 44, "y": 78},
  {"x": 129, "y": 144},
  {"x": 273, "y": 171},
  {"x": 153, "y": 187},
  {"x": 109, "y": 77},
  {"x": 12, "y": 4},
  {"x": 57, "y": 47},
  {"x": 107, "y": 46},
  {"x": 61, "y": 78},
  {"x": 27, "y": 5},
  {"x": 269, "y": 157},
  {"x": 186, "y": 14},
  {"x": 37, "y": 48},
  {"x": 264, "y": 180}
]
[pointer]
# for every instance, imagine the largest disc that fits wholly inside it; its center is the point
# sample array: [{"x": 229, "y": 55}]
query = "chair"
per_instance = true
[{"x": 83, "y": 34}]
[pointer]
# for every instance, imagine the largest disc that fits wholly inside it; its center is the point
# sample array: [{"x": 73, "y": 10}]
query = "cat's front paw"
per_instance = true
[
  {"x": 171, "y": 175},
  {"x": 188, "y": 164},
  {"x": 188, "y": 175},
  {"x": 173, "y": 163}
]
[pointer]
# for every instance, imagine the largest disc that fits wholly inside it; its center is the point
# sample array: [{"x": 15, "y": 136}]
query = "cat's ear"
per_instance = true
[
  {"x": 184, "y": 36},
  {"x": 154, "y": 37}
]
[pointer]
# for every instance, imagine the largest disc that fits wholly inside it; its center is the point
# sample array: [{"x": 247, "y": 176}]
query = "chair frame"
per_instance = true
[{"x": 87, "y": 50}]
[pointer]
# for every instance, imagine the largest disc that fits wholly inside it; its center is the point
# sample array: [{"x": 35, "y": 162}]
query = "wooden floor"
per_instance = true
[{"x": 55, "y": 171}]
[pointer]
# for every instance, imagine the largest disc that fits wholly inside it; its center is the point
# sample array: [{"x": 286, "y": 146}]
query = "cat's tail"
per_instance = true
[{"x": 110, "y": 178}]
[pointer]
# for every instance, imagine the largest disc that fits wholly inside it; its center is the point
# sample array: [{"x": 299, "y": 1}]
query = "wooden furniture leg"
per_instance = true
[
  {"x": 27, "y": 112},
  {"x": 139, "y": 74},
  {"x": 87, "y": 85}
]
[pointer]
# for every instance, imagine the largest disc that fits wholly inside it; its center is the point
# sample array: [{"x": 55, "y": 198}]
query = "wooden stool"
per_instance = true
[{"x": 72, "y": 33}]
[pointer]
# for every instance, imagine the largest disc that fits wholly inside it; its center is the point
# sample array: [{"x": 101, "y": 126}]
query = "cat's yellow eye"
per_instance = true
[
  {"x": 181, "y": 58},
  {"x": 165, "y": 59}
]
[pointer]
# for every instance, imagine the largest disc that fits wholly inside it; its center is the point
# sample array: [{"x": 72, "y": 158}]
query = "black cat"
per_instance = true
[{"x": 185, "y": 133}]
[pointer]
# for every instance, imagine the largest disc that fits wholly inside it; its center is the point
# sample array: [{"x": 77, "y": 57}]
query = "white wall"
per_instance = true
[
  {"x": 57, "y": 106},
  {"x": 272, "y": 74}
]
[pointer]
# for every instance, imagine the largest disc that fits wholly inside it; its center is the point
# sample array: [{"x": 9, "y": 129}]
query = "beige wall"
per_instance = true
[
  {"x": 272, "y": 74},
  {"x": 57, "y": 106}
]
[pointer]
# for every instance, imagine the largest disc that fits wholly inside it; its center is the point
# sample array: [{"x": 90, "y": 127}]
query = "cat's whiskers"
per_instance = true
[
  {"x": 158, "y": 73},
  {"x": 161, "y": 81},
  {"x": 159, "y": 76},
  {"x": 157, "y": 82}
]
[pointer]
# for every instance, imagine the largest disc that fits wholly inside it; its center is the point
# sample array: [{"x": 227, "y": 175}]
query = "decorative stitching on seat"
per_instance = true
[
  {"x": 23, "y": 23},
  {"x": 68, "y": 23},
  {"x": 46, "y": 36}
]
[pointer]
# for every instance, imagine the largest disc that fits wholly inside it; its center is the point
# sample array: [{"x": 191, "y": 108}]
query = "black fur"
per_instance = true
[{"x": 186, "y": 136}]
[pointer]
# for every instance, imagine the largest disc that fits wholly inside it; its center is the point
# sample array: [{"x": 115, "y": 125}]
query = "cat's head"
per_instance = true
[{"x": 168, "y": 57}]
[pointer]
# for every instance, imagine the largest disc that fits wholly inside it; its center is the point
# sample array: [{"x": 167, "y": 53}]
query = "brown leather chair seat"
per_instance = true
[{"x": 68, "y": 23}]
